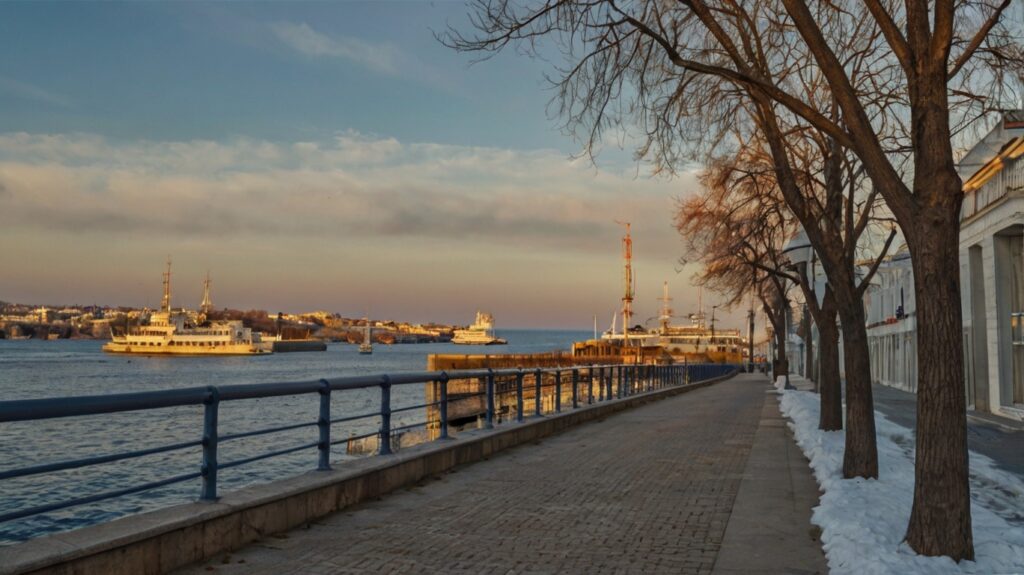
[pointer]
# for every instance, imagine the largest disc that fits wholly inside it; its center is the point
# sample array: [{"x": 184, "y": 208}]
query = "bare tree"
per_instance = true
[{"x": 648, "y": 62}]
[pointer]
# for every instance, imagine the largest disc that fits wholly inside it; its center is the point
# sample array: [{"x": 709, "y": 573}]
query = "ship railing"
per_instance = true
[{"x": 508, "y": 395}]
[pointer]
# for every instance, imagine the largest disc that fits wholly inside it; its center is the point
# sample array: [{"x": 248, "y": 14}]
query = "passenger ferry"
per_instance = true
[
  {"x": 171, "y": 332},
  {"x": 693, "y": 343},
  {"x": 480, "y": 333}
]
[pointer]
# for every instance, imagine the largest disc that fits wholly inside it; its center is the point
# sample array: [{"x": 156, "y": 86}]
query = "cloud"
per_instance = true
[
  {"x": 26, "y": 91},
  {"x": 352, "y": 188},
  {"x": 302, "y": 38}
]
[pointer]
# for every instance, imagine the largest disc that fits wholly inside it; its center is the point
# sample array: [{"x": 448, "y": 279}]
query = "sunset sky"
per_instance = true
[{"x": 311, "y": 156}]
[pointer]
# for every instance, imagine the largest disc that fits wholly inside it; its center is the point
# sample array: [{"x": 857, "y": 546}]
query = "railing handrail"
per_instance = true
[
  {"x": 626, "y": 378},
  {"x": 70, "y": 406}
]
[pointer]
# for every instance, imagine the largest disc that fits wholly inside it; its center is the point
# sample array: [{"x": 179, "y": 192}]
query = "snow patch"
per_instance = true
[{"x": 863, "y": 521}]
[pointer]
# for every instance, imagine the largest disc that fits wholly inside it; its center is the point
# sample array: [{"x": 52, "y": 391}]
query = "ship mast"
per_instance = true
[
  {"x": 165, "y": 304},
  {"x": 700, "y": 307},
  {"x": 206, "y": 306},
  {"x": 627, "y": 296},
  {"x": 666, "y": 310}
]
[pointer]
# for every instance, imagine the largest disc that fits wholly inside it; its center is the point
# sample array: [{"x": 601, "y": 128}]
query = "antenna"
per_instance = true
[{"x": 627, "y": 296}]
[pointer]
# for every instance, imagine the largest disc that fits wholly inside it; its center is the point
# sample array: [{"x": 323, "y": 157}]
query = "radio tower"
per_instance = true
[
  {"x": 165, "y": 304},
  {"x": 627, "y": 297}
]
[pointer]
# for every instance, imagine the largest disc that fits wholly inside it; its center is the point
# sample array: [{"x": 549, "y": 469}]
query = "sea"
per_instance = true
[{"x": 32, "y": 369}]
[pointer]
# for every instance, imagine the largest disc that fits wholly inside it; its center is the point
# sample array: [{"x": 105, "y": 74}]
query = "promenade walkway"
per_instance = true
[{"x": 701, "y": 482}]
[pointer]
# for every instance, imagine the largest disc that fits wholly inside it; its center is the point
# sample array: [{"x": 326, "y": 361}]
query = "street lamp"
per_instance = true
[{"x": 800, "y": 253}]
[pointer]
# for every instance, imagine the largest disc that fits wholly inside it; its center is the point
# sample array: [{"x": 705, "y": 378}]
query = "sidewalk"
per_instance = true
[
  {"x": 708, "y": 481},
  {"x": 770, "y": 530}
]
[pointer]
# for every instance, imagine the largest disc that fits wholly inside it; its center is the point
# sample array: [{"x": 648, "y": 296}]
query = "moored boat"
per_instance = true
[{"x": 366, "y": 348}]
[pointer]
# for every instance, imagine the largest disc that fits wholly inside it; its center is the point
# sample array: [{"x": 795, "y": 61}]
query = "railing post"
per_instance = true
[
  {"x": 490, "y": 398},
  {"x": 575, "y": 385},
  {"x": 590, "y": 385},
  {"x": 519, "y": 395},
  {"x": 209, "y": 467},
  {"x": 600, "y": 383},
  {"x": 611, "y": 373},
  {"x": 537, "y": 407},
  {"x": 324, "y": 425},
  {"x": 385, "y": 416},
  {"x": 558, "y": 391},
  {"x": 622, "y": 381},
  {"x": 444, "y": 405}
]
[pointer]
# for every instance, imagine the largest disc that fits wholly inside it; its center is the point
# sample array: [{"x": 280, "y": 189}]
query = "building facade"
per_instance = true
[{"x": 991, "y": 283}]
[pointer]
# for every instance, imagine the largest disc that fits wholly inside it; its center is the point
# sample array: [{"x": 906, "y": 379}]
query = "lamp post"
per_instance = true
[{"x": 801, "y": 253}]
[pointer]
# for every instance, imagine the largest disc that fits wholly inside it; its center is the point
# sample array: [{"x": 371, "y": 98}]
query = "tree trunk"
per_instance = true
[
  {"x": 780, "y": 365},
  {"x": 831, "y": 416},
  {"x": 860, "y": 458},
  {"x": 940, "y": 521},
  {"x": 809, "y": 350}
]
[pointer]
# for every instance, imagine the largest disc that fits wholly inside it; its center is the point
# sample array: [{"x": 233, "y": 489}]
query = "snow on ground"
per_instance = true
[{"x": 863, "y": 521}]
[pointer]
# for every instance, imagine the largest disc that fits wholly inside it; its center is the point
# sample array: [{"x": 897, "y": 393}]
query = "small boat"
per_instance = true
[{"x": 366, "y": 348}]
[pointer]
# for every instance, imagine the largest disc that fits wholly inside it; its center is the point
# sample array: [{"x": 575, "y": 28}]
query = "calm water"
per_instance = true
[{"x": 37, "y": 369}]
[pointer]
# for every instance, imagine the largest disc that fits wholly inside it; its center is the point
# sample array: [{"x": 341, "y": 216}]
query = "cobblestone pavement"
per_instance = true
[{"x": 649, "y": 490}]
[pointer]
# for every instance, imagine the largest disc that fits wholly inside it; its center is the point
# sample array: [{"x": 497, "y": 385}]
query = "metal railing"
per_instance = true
[{"x": 502, "y": 392}]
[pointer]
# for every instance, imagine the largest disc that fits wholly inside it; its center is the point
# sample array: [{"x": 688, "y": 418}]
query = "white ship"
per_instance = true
[
  {"x": 695, "y": 342},
  {"x": 480, "y": 333},
  {"x": 171, "y": 332}
]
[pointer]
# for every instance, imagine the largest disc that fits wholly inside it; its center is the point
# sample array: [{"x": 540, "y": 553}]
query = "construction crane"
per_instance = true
[{"x": 628, "y": 282}]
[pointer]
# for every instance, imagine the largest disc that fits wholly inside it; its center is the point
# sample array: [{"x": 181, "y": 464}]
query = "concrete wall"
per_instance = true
[{"x": 163, "y": 540}]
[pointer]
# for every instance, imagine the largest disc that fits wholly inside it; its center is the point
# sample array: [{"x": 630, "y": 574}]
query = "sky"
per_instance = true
[{"x": 310, "y": 156}]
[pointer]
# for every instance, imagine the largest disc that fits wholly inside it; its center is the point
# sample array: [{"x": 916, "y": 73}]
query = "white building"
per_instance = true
[
  {"x": 991, "y": 282},
  {"x": 992, "y": 269},
  {"x": 891, "y": 312}
]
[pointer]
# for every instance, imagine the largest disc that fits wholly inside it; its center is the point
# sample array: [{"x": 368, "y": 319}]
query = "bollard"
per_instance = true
[
  {"x": 385, "y": 416},
  {"x": 490, "y": 398},
  {"x": 209, "y": 467},
  {"x": 444, "y": 405},
  {"x": 519, "y": 395},
  {"x": 324, "y": 426}
]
